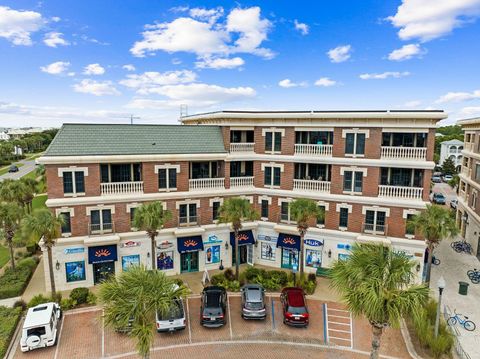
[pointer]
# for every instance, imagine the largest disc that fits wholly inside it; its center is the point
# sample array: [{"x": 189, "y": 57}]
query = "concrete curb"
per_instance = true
[{"x": 408, "y": 340}]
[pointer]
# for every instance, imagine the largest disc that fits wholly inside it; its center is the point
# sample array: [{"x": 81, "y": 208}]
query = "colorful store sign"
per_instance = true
[
  {"x": 212, "y": 255},
  {"x": 75, "y": 271},
  {"x": 74, "y": 250},
  {"x": 289, "y": 241},
  {"x": 212, "y": 239},
  {"x": 189, "y": 244},
  {"x": 313, "y": 243},
  {"x": 101, "y": 254},
  {"x": 130, "y": 244},
  {"x": 244, "y": 237},
  {"x": 165, "y": 245},
  {"x": 130, "y": 261}
]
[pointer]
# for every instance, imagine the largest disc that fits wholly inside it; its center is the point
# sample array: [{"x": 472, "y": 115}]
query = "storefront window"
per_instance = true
[
  {"x": 75, "y": 271},
  {"x": 314, "y": 258},
  {"x": 268, "y": 251},
  {"x": 343, "y": 256},
  {"x": 212, "y": 255},
  {"x": 289, "y": 258},
  {"x": 130, "y": 261},
  {"x": 165, "y": 260}
]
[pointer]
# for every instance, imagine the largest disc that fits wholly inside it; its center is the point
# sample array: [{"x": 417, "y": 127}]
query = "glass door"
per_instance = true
[
  {"x": 289, "y": 258},
  {"x": 189, "y": 262},
  {"x": 101, "y": 271},
  {"x": 250, "y": 254}
]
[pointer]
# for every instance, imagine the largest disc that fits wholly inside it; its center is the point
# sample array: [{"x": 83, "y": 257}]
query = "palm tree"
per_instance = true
[
  {"x": 303, "y": 211},
  {"x": 12, "y": 191},
  {"x": 434, "y": 223},
  {"x": 43, "y": 224},
  {"x": 30, "y": 188},
  {"x": 151, "y": 217},
  {"x": 10, "y": 217},
  {"x": 376, "y": 282},
  {"x": 234, "y": 211},
  {"x": 132, "y": 299}
]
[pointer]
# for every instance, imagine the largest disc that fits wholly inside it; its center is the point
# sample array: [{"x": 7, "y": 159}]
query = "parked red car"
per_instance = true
[{"x": 295, "y": 311}]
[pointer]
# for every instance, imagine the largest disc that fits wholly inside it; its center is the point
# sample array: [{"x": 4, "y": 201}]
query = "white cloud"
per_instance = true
[
  {"x": 93, "y": 69},
  {"x": 340, "y": 53},
  {"x": 471, "y": 111},
  {"x": 406, "y": 52},
  {"x": 55, "y": 18},
  {"x": 208, "y": 62},
  {"x": 17, "y": 26},
  {"x": 97, "y": 88},
  {"x": 56, "y": 68},
  {"x": 325, "y": 82},
  {"x": 149, "y": 81},
  {"x": 302, "y": 27},
  {"x": 459, "y": 96},
  {"x": 429, "y": 19},
  {"x": 412, "y": 104},
  {"x": 54, "y": 39},
  {"x": 243, "y": 32},
  {"x": 286, "y": 83},
  {"x": 128, "y": 67},
  {"x": 384, "y": 75},
  {"x": 176, "y": 61}
]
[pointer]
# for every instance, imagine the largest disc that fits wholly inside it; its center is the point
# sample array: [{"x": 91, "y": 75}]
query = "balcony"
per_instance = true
[
  {"x": 241, "y": 182},
  {"x": 375, "y": 229},
  {"x": 113, "y": 188},
  {"x": 242, "y": 147},
  {"x": 401, "y": 192},
  {"x": 311, "y": 185},
  {"x": 407, "y": 153},
  {"x": 100, "y": 228},
  {"x": 313, "y": 150},
  {"x": 201, "y": 184}
]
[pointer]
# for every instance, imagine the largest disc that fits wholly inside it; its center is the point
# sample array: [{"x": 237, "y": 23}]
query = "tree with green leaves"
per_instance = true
[
  {"x": 448, "y": 167},
  {"x": 43, "y": 224},
  {"x": 235, "y": 211},
  {"x": 30, "y": 188},
  {"x": 435, "y": 223},
  {"x": 12, "y": 191},
  {"x": 303, "y": 211},
  {"x": 11, "y": 215},
  {"x": 132, "y": 299},
  {"x": 151, "y": 217},
  {"x": 377, "y": 282}
]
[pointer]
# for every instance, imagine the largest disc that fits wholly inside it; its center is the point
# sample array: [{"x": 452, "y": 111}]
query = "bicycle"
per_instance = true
[
  {"x": 435, "y": 261},
  {"x": 461, "y": 246},
  {"x": 474, "y": 275},
  {"x": 467, "y": 324}
]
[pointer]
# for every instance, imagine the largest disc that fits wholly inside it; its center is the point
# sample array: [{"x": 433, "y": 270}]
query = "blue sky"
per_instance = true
[{"x": 100, "y": 61}]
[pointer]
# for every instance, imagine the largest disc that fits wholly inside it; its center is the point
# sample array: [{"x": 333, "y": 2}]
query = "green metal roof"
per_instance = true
[{"x": 110, "y": 139}]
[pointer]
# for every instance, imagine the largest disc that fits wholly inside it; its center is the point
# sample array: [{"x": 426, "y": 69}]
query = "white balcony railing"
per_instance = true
[
  {"x": 206, "y": 183},
  {"x": 114, "y": 188},
  {"x": 314, "y": 150},
  {"x": 241, "y": 182},
  {"x": 400, "y": 192},
  {"x": 311, "y": 185},
  {"x": 242, "y": 147},
  {"x": 410, "y": 153}
]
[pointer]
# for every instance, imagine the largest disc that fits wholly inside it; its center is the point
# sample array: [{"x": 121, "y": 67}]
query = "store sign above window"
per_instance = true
[
  {"x": 313, "y": 243},
  {"x": 74, "y": 250},
  {"x": 344, "y": 246},
  {"x": 262, "y": 237},
  {"x": 212, "y": 239},
  {"x": 102, "y": 254},
  {"x": 130, "y": 244},
  {"x": 165, "y": 245}
]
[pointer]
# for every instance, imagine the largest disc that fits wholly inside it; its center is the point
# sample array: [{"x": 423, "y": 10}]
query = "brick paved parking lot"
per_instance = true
[{"x": 82, "y": 336}]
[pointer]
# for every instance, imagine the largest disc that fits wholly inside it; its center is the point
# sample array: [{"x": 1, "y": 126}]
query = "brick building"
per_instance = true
[{"x": 369, "y": 170}]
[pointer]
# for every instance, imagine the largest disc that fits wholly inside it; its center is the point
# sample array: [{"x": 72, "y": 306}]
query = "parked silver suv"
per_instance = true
[{"x": 253, "y": 302}]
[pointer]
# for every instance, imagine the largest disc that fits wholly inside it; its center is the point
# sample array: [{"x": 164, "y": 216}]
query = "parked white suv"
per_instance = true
[
  {"x": 40, "y": 327},
  {"x": 173, "y": 320}
]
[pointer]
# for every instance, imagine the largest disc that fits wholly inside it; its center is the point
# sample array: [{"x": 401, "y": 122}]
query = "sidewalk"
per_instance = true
[
  {"x": 453, "y": 268},
  {"x": 36, "y": 284}
]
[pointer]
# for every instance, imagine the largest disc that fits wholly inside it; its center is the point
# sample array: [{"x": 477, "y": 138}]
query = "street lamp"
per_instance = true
[{"x": 441, "y": 286}]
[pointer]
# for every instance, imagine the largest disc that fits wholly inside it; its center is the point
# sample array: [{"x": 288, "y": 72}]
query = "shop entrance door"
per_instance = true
[
  {"x": 250, "y": 254},
  {"x": 243, "y": 254},
  {"x": 189, "y": 262},
  {"x": 289, "y": 258},
  {"x": 102, "y": 271}
]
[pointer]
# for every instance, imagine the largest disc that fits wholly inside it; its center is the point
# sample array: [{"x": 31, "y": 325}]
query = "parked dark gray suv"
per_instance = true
[{"x": 253, "y": 302}]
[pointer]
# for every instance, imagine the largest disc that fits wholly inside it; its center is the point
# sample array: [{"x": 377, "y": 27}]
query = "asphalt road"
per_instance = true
[
  {"x": 28, "y": 166},
  {"x": 446, "y": 190}
]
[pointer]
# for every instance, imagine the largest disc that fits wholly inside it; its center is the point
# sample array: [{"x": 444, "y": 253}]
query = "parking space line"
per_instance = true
[
  {"x": 189, "y": 327},
  {"x": 326, "y": 335},
  {"x": 339, "y": 330},
  {"x": 338, "y": 316},
  {"x": 351, "y": 331},
  {"x": 339, "y": 310},
  {"x": 59, "y": 337},
  {"x": 337, "y": 338},
  {"x": 340, "y": 323},
  {"x": 273, "y": 314},
  {"x": 229, "y": 318}
]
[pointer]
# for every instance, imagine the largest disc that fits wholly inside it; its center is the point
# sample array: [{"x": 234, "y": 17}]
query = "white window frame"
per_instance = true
[
  {"x": 269, "y": 201},
  {"x": 349, "y": 207},
  {"x": 100, "y": 208},
  {"x": 166, "y": 167},
  {"x": 69, "y": 210},
  {"x": 355, "y": 132},
  {"x": 187, "y": 203},
  {"x": 354, "y": 170},
  {"x": 272, "y": 165},
  {"x": 406, "y": 213},
  {"x": 211, "y": 202},
  {"x": 286, "y": 200},
  {"x": 376, "y": 209},
  {"x": 274, "y": 132},
  {"x": 326, "y": 206},
  {"x": 72, "y": 170}
]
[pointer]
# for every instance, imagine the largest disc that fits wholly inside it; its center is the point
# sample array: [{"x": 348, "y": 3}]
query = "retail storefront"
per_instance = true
[
  {"x": 102, "y": 259},
  {"x": 246, "y": 240},
  {"x": 213, "y": 251},
  {"x": 189, "y": 248},
  {"x": 290, "y": 246},
  {"x": 313, "y": 253}
]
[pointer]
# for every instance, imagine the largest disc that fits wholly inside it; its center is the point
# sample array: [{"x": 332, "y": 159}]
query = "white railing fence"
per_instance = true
[
  {"x": 313, "y": 150},
  {"x": 113, "y": 188},
  {"x": 241, "y": 181},
  {"x": 311, "y": 185},
  {"x": 400, "y": 192},
  {"x": 242, "y": 147},
  {"x": 414, "y": 153},
  {"x": 206, "y": 183}
]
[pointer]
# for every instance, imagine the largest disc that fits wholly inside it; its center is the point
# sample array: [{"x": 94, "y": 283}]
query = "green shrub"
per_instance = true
[
  {"x": 79, "y": 295},
  {"x": 13, "y": 282},
  {"x": 251, "y": 272},
  {"x": 91, "y": 299},
  {"x": 178, "y": 281},
  {"x": 68, "y": 303},
  {"x": 228, "y": 274},
  {"x": 312, "y": 277},
  {"x": 38, "y": 299},
  {"x": 20, "y": 304},
  {"x": 217, "y": 279},
  {"x": 9, "y": 318},
  {"x": 29, "y": 262}
]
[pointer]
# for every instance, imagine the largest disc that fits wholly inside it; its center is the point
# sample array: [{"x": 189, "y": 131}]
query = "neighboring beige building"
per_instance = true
[{"x": 468, "y": 213}]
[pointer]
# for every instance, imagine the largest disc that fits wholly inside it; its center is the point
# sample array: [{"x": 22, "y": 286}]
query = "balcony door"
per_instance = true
[{"x": 120, "y": 172}]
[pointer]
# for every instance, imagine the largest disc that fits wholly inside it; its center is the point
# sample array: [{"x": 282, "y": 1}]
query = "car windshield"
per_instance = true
[
  {"x": 297, "y": 310},
  {"x": 175, "y": 312},
  {"x": 254, "y": 305}
]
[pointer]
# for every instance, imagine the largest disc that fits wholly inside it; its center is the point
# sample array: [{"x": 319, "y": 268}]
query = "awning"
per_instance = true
[
  {"x": 244, "y": 237},
  {"x": 189, "y": 244},
  {"x": 101, "y": 254},
  {"x": 290, "y": 241}
]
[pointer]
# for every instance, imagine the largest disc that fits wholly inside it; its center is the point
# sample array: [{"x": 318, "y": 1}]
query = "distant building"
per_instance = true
[
  {"x": 20, "y": 132},
  {"x": 451, "y": 149},
  {"x": 4, "y": 136}
]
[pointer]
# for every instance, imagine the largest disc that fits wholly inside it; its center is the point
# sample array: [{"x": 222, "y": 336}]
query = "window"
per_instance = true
[
  {"x": 215, "y": 208},
  {"x": 272, "y": 176},
  {"x": 101, "y": 220},
  {"x": 264, "y": 209},
  {"x": 352, "y": 181},
  {"x": 75, "y": 271},
  {"x": 285, "y": 212},
  {"x": 120, "y": 172},
  {"x": 321, "y": 219},
  {"x": 409, "y": 226},
  {"x": 343, "y": 218},
  {"x": 268, "y": 251},
  {"x": 73, "y": 182},
  {"x": 375, "y": 221},
  {"x": 355, "y": 143},
  {"x": 314, "y": 258},
  {"x": 66, "y": 226},
  {"x": 132, "y": 216},
  {"x": 273, "y": 141},
  {"x": 477, "y": 172},
  {"x": 187, "y": 214},
  {"x": 167, "y": 178}
]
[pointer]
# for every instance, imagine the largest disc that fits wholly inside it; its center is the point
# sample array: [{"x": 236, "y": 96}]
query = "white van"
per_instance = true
[
  {"x": 173, "y": 320},
  {"x": 40, "y": 327}
]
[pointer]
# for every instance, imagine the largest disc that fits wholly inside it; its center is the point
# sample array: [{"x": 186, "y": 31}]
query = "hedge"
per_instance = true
[
  {"x": 14, "y": 282},
  {"x": 9, "y": 318}
]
